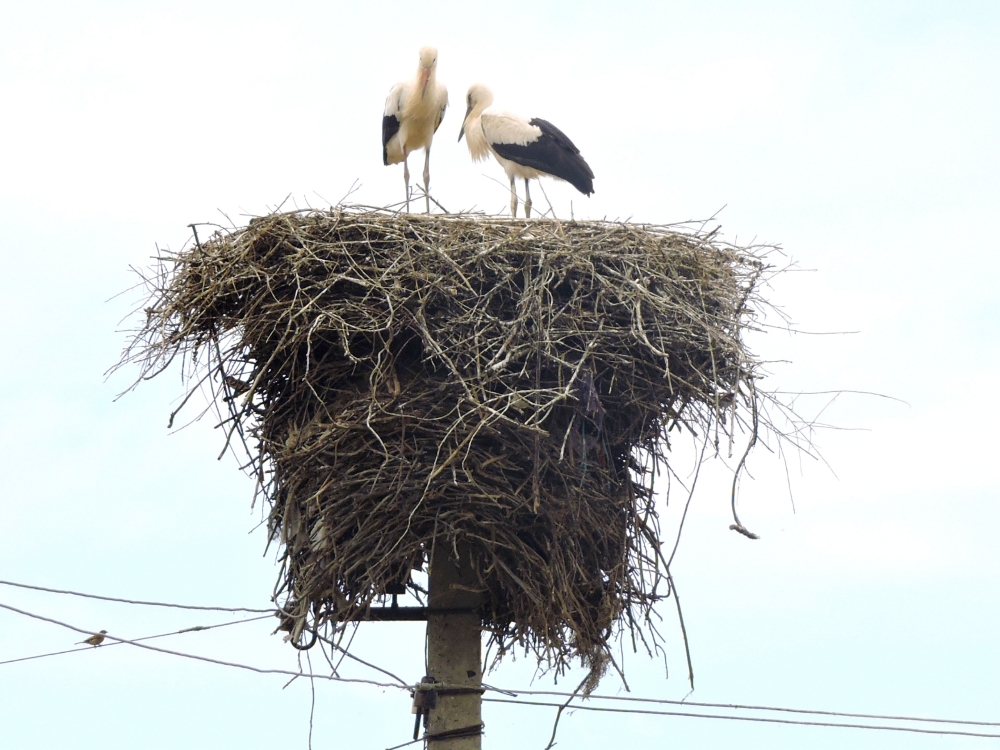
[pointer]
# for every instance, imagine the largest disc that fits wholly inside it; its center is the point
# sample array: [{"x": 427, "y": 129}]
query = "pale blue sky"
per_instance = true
[{"x": 862, "y": 137}]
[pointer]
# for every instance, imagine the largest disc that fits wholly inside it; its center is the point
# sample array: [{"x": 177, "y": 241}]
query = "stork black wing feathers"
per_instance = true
[
  {"x": 553, "y": 153},
  {"x": 390, "y": 126}
]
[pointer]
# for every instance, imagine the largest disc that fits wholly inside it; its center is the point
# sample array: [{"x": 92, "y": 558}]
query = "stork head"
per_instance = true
[
  {"x": 478, "y": 99},
  {"x": 428, "y": 62},
  {"x": 428, "y": 57}
]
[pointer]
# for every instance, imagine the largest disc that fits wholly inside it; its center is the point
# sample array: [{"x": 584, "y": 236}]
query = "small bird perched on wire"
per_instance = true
[
  {"x": 95, "y": 640},
  {"x": 524, "y": 148},
  {"x": 413, "y": 112}
]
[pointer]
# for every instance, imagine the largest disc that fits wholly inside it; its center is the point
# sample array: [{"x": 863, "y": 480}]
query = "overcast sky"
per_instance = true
[{"x": 860, "y": 136}]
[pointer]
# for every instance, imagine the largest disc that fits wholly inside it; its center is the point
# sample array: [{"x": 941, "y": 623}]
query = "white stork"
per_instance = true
[
  {"x": 524, "y": 148},
  {"x": 413, "y": 112}
]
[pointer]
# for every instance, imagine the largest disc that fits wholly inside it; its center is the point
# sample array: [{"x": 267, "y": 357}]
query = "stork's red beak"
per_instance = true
[{"x": 425, "y": 76}]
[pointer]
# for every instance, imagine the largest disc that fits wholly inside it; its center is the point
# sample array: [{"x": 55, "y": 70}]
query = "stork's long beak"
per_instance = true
[
  {"x": 462, "y": 131},
  {"x": 425, "y": 76}
]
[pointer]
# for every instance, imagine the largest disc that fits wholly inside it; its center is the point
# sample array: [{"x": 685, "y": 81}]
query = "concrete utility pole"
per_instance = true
[{"x": 454, "y": 654}]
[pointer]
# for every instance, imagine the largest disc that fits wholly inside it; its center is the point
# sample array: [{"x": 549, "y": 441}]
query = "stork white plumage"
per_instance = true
[
  {"x": 524, "y": 148},
  {"x": 413, "y": 112}
]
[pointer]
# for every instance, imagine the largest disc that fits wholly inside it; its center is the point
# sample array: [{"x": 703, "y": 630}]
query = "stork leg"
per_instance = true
[
  {"x": 406, "y": 178},
  {"x": 513, "y": 199},
  {"x": 527, "y": 200},
  {"x": 427, "y": 177}
]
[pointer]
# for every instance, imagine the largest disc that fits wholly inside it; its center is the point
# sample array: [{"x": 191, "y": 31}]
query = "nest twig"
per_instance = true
[{"x": 512, "y": 384}]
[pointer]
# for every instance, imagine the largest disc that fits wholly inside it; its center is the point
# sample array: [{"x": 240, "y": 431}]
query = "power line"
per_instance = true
[
  {"x": 335, "y": 678},
  {"x": 761, "y": 719},
  {"x": 258, "y": 670},
  {"x": 145, "y": 638},
  {"x": 178, "y": 606},
  {"x": 845, "y": 714},
  {"x": 358, "y": 659},
  {"x": 132, "y": 601}
]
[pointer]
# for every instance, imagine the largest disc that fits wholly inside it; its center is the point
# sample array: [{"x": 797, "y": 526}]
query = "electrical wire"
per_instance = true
[
  {"x": 649, "y": 712},
  {"x": 133, "y": 601},
  {"x": 817, "y": 712},
  {"x": 145, "y": 638},
  {"x": 358, "y": 659},
  {"x": 544, "y": 704},
  {"x": 258, "y": 670}
]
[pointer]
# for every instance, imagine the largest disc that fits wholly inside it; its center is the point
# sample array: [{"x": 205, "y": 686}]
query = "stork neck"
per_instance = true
[{"x": 479, "y": 147}]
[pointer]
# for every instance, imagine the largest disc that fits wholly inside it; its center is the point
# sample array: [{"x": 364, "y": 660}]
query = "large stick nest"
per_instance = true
[{"x": 401, "y": 381}]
